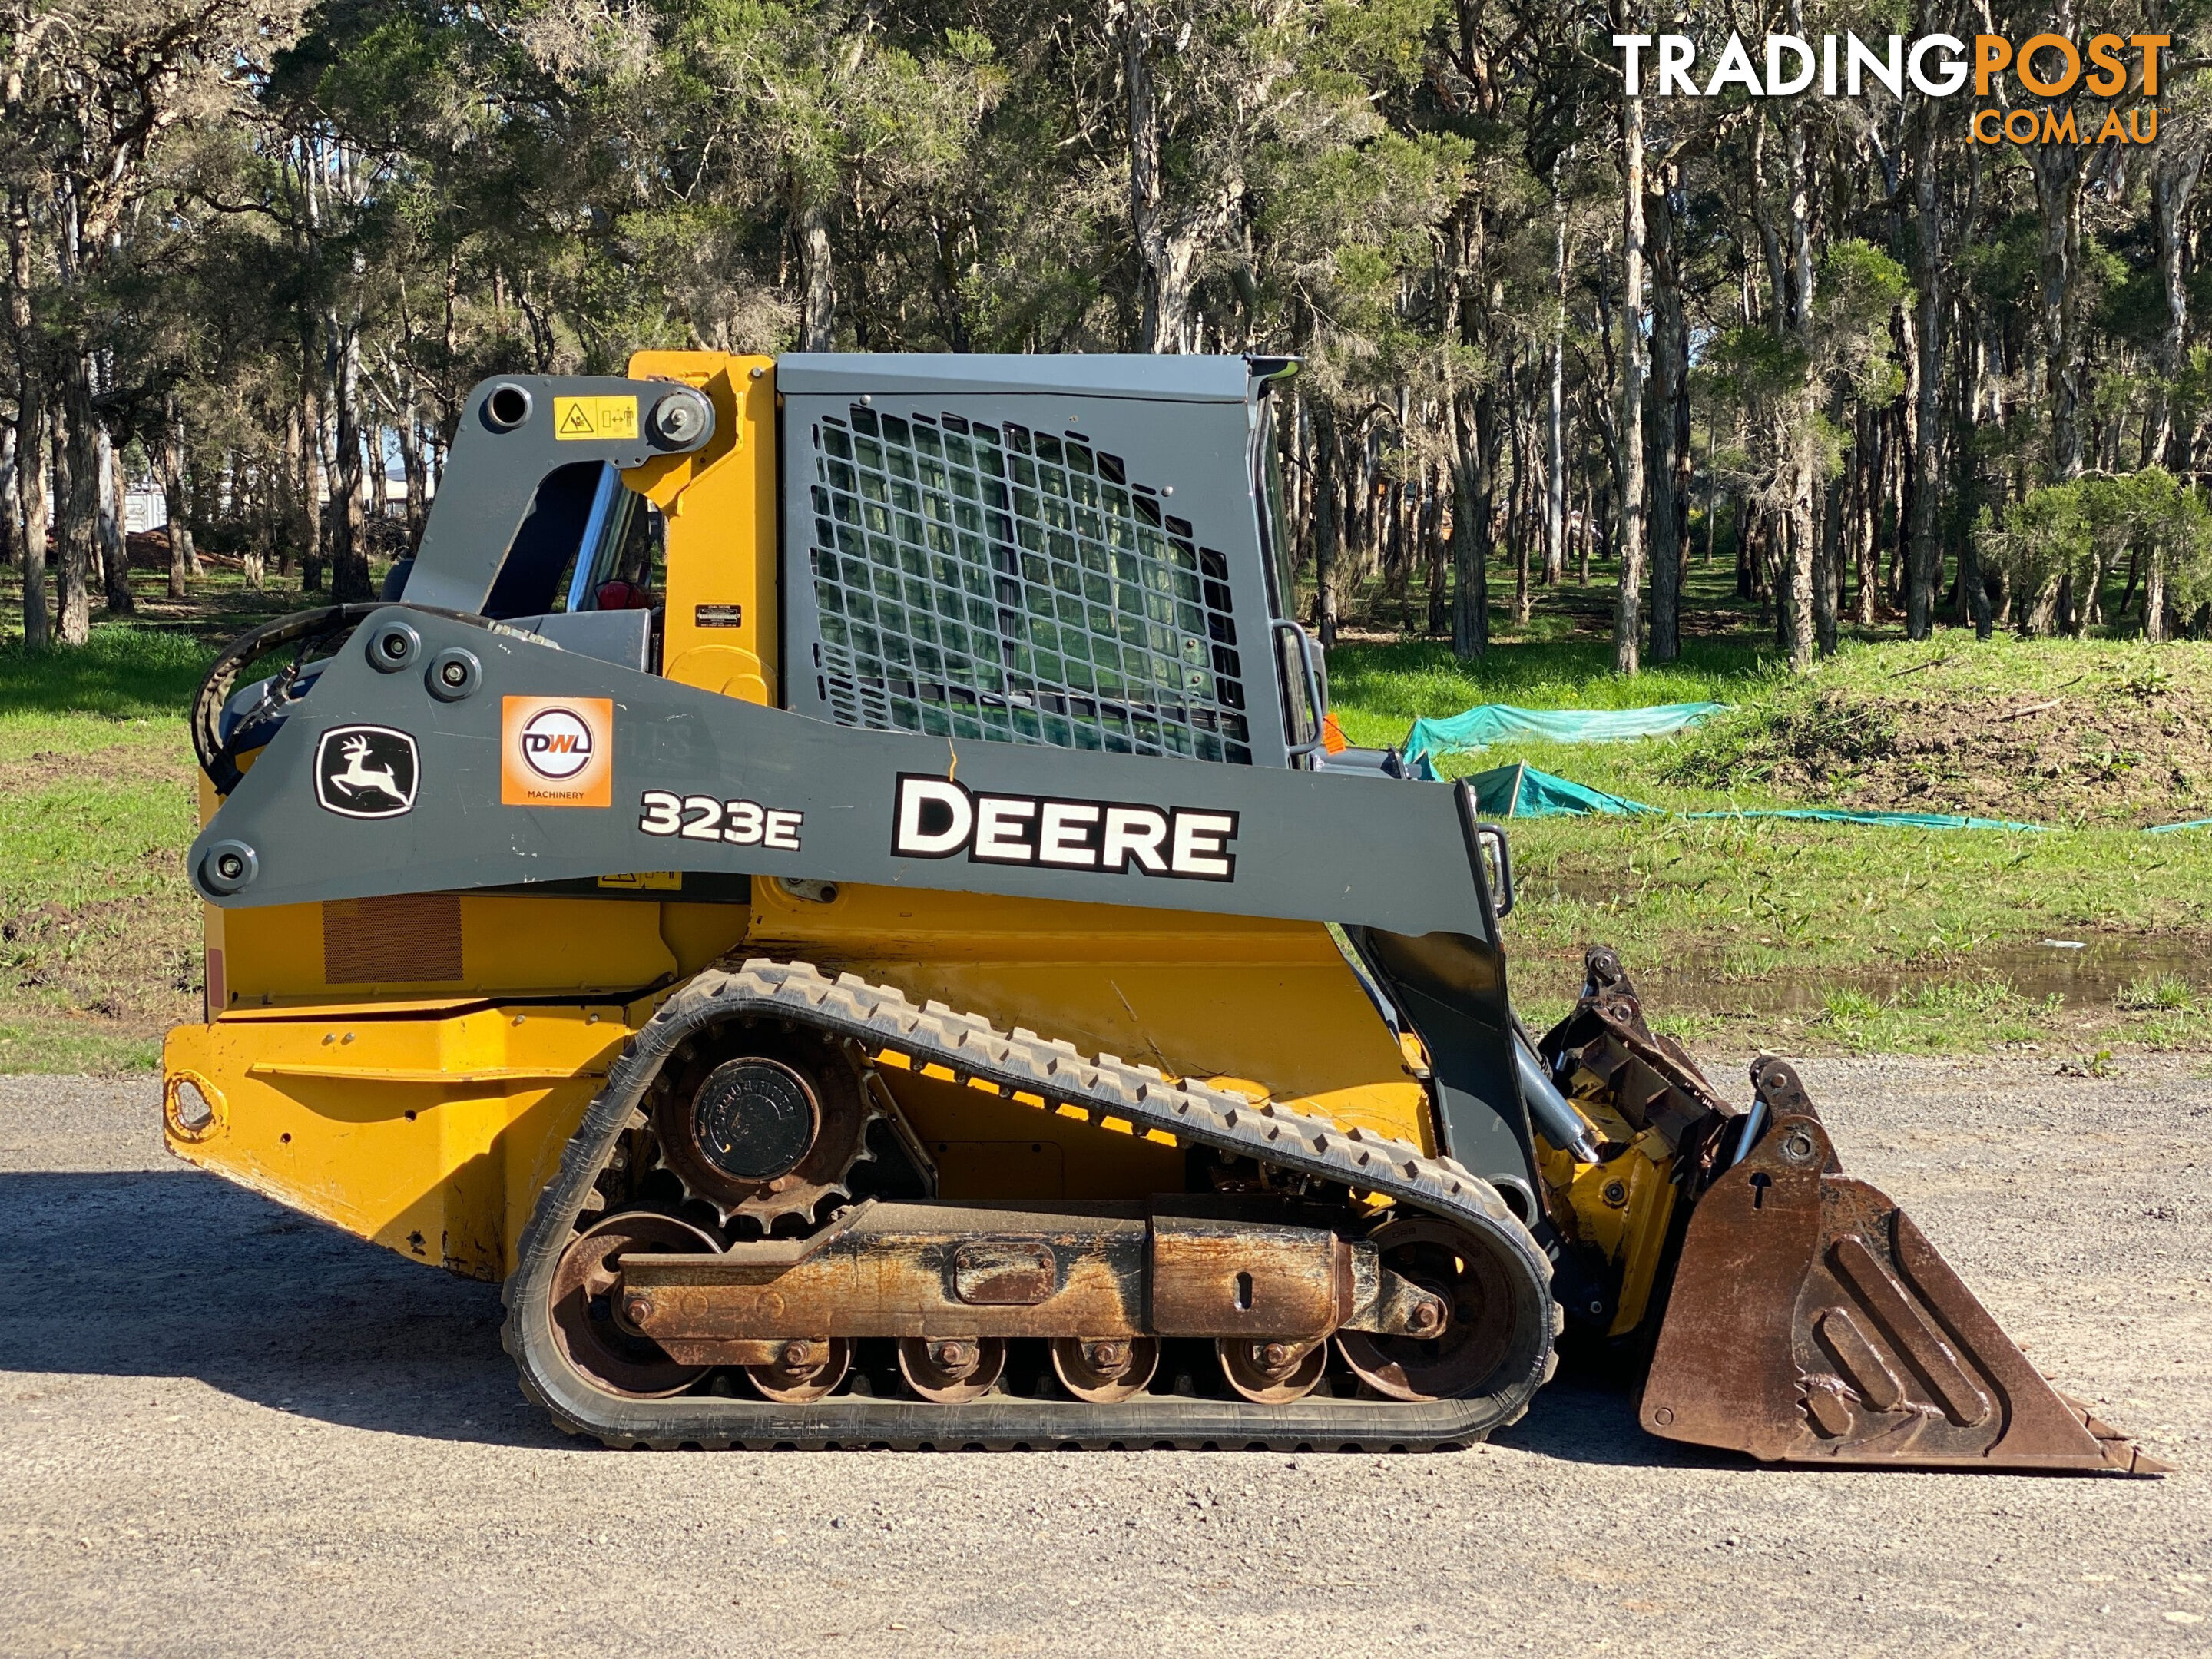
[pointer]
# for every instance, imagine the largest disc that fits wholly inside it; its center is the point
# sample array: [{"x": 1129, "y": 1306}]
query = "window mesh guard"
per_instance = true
[{"x": 1011, "y": 585}]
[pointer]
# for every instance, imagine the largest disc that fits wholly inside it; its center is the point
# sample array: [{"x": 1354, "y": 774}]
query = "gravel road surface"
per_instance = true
[{"x": 224, "y": 1429}]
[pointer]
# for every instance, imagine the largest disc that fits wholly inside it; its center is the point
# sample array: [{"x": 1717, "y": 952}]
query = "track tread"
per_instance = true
[{"x": 1055, "y": 1073}]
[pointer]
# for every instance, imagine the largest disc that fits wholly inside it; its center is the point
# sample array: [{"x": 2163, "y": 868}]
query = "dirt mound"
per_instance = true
[{"x": 2115, "y": 746}]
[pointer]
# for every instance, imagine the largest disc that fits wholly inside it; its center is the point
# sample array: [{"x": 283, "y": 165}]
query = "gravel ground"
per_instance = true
[{"x": 230, "y": 1430}]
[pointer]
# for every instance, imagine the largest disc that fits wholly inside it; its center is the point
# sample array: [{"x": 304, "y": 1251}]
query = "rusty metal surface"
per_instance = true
[
  {"x": 1104, "y": 1371},
  {"x": 593, "y": 1322},
  {"x": 802, "y": 1370},
  {"x": 951, "y": 1371},
  {"x": 1271, "y": 1371},
  {"x": 1005, "y": 1272},
  {"x": 899, "y": 1270},
  {"x": 1229, "y": 1279},
  {"x": 1812, "y": 1322},
  {"x": 1604, "y": 1051},
  {"x": 1099, "y": 1272},
  {"x": 1058, "y": 1077},
  {"x": 1461, "y": 1341}
]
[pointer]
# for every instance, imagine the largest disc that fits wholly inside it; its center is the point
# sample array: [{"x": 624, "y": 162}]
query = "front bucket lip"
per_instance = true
[{"x": 1811, "y": 1321}]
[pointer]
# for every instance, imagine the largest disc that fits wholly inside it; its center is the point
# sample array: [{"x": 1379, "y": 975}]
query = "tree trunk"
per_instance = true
[
  {"x": 77, "y": 476},
  {"x": 817, "y": 277},
  {"x": 1329, "y": 520},
  {"x": 1555, "y": 464},
  {"x": 311, "y": 476},
  {"x": 294, "y": 468},
  {"x": 410, "y": 464},
  {"x": 2057, "y": 168},
  {"x": 1583, "y": 531},
  {"x": 112, "y": 526},
  {"x": 11, "y": 497},
  {"x": 349, "y": 539},
  {"x": 1628, "y": 607},
  {"x": 1474, "y": 473},
  {"x": 1912, "y": 578},
  {"x": 1797, "y": 619},
  {"x": 1167, "y": 251},
  {"x": 184, "y": 557},
  {"x": 1670, "y": 368},
  {"x": 1517, "y": 527},
  {"x": 32, "y": 425},
  {"x": 1432, "y": 541},
  {"x": 2172, "y": 182},
  {"x": 1867, "y": 529},
  {"x": 1827, "y": 566}
]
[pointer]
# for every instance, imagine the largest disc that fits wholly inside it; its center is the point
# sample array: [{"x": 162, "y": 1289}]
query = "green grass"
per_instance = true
[
  {"x": 99, "y": 930},
  {"x": 2168, "y": 993},
  {"x": 1939, "y": 1017},
  {"x": 1835, "y": 936},
  {"x": 123, "y": 673},
  {"x": 1379, "y": 690}
]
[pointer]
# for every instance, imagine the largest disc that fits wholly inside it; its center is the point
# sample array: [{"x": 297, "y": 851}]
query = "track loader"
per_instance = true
[{"x": 834, "y": 881}]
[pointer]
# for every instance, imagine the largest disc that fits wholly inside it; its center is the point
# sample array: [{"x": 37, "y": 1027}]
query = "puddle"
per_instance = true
[{"x": 2090, "y": 977}]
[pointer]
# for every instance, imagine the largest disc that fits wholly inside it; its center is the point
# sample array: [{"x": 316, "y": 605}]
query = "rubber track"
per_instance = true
[{"x": 1056, "y": 1074}]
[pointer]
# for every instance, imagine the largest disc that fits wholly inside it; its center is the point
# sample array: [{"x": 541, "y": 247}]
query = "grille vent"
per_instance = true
[
  {"x": 997, "y": 583},
  {"x": 408, "y": 938}
]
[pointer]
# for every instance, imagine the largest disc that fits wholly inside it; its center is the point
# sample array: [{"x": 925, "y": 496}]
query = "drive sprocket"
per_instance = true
[{"x": 763, "y": 1122}]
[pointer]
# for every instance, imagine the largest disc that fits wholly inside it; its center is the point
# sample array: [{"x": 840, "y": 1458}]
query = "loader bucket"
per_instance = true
[{"x": 1811, "y": 1321}]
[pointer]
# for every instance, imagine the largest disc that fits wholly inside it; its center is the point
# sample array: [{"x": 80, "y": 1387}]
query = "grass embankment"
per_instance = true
[{"x": 1811, "y": 936}]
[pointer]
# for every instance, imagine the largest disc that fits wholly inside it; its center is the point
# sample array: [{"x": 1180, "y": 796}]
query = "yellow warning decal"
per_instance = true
[
  {"x": 655, "y": 881},
  {"x": 594, "y": 418}
]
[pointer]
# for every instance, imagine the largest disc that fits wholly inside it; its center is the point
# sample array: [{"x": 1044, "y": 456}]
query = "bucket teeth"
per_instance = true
[{"x": 1811, "y": 1321}]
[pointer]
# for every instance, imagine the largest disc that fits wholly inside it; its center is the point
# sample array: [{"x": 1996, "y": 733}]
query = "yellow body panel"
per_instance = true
[
  {"x": 509, "y": 946},
  {"x": 1620, "y": 1207},
  {"x": 1262, "y": 1006},
  {"x": 430, "y": 1122},
  {"x": 430, "y": 1134},
  {"x": 720, "y": 511}
]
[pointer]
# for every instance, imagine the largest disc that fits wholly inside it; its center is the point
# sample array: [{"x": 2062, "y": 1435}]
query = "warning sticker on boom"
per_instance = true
[{"x": 594, "y": 418}]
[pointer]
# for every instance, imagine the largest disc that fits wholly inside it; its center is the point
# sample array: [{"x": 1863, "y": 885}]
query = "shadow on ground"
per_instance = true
[{"x": 178, "y": 1273}]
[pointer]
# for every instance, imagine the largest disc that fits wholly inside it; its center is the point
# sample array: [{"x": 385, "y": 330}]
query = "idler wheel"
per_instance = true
[
  {"x": 1271, "y": 1371},
  {"x": 1479, "y": 1334},
  {"x": 807, "y": 1369},
  {"x": 951, "y": 1371},
  {"x": 1105, "y": 1370},
  {"x": 589, "y": 1325}
]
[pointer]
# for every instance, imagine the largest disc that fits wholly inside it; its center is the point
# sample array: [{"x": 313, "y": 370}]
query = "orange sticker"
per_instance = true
[{"x": 557, "y": 752}]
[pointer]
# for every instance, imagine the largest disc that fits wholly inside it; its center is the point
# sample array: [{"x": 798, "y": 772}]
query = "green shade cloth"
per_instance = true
[
  {"x": 1896, "y": 820},
  {"x": 1488, "y": 723},
  {"x": 1520, "y": 791}
]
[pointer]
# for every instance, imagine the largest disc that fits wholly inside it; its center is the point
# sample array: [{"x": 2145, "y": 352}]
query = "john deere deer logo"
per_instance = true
[{"x": 366, "y": 772}]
